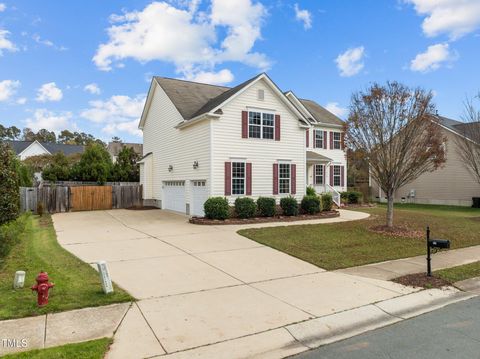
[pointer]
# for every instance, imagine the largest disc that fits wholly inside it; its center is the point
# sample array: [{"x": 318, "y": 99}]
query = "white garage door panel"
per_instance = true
[
  {"x": 174, "y": 196},
  {"x": 199, "y": 196}
]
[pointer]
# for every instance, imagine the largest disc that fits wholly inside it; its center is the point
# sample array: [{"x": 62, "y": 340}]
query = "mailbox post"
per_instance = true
[{"x": 434, "y": 243}]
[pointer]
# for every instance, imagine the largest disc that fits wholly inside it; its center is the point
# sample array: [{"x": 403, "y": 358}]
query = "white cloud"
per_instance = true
[
  {"x": 336, "y": 109},
  {"x": 2, "y": 7},
  {"x": 92, "y": 88},
  {"x": 433, "y": 58},
  {"x": 453, "y": 17},
  {"x": 215, "y": 78},
  {"x": 52, "y": 121},
  {"x": 350, "y": 62},
  {"x": 304, "y": 16},
  {"x": 49, "y": 92},
  {"x": 8, "y": 88},
  {"x": 22, "y": 101},
  {"x": 47, "y": 43},
  {"x": 6, "y": 44},
  {"x": 153, "y": 34},
  {"x": 117, "y": 114}
]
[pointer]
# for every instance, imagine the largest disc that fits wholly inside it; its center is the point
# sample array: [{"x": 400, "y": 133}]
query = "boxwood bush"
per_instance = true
[
  {"x": 289, "y": 206},
  {"x": 351, "y": 197},
  {"x": 311, "y": 204},
  {"x": 245, "y": 207},
  {"x": 266, "y": 206},
  {"x": 327, "y": 202},
  {"x": 216, "y": 208}
]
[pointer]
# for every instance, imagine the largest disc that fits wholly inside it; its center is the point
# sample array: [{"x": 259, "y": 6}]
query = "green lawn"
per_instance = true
[
  {"x": 456, "y": 274},
  {"x": 77, "y": 284},
  {"x": 347, "y": 244},
  {"x": 94, "y": 349}
]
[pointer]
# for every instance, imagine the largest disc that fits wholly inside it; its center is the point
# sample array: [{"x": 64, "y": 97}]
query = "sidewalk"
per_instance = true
[{"x": 400, "y": 267}]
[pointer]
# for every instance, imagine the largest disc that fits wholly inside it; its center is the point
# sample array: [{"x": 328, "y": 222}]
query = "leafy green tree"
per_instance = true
[
  {"x": 28, "y": 134},
  {"x": 126, "y": 168},
  {"x": 46, "y": 136},
  {"x": 9, "y": 188},
  {"x": 59, "y": 168},
  {"x": 95, "y": 165}
]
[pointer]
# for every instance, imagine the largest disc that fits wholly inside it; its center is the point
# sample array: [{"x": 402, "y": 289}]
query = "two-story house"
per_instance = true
[{"x": 202, "y": 140}]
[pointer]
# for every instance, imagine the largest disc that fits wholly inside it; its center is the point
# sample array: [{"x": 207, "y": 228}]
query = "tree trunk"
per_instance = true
[{"x": 390, "y": 210}]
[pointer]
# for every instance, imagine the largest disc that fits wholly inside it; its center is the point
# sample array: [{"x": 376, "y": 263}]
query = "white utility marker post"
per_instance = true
[
  {"x": 19, "y": 280},
  {"x": 105, "y": 277}
]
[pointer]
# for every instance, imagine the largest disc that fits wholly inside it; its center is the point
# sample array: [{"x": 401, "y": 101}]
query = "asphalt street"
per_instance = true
[{"x": 450, "y": 332}]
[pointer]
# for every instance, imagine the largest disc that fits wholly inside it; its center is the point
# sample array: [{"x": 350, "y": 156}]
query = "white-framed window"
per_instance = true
[
  {"x": 238, "y": 178},
  {"x": 284, "y": 176},
  {"x": 337, "y": 141},
  {"x": 319, "y": 139},
  {"x": 319, "y": 174},
  {"x": 261, "y": 125},
  {"x": 337, "y": 176}
]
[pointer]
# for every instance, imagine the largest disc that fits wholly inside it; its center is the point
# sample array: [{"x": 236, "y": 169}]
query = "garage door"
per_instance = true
[
  {"x": 174, "y": 196},
  {"x": 199, "y": 196}
]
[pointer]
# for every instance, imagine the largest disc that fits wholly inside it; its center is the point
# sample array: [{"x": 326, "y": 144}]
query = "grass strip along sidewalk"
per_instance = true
[
  {"x": 94, "y": 349},
  {"x": 459, "y": 273},
  {"x": 77, "y": 284},
  {"x": 347, "y": 244}
]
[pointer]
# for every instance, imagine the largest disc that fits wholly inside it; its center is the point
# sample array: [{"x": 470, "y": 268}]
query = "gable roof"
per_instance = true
[
  {"x": 320, "y": 113},
  {"x": 464, "y": 129},
  {"x": 20, "y": 146}
]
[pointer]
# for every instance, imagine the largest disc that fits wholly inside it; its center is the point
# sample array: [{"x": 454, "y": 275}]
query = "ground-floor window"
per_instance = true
[
  {"x": 319, "y": 174},
  {"x": 284, "y": 178},
  {"x": 238, "y": 178},
  {"x": 337, "y": 176}
]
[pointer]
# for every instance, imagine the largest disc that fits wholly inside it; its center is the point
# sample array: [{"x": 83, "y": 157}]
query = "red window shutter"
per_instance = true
[
  {"x": 325, "y": 140},
  {"x": 275, "y": 178},
  {"x": 308, "y": 138},
  {"x": 249, "y": 180},
  {"x": 331, "y": 140},
  {"x": 277, "y": 127},
  {"x": 228, "y": 178},
  {"x": 342, "y": 140},
  {"x": 244, "y": 124},
  {"x": 293, "y": 178},
  {"x": 331, "y": 175},
  {"x": 342, "y": 175}
]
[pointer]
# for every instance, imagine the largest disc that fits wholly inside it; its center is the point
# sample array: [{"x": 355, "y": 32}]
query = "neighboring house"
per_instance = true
[
  {"x": 451, "y": 184},
  {"x": 25, "y": 149},
  {"x": 253, "y": 140},
  {"x": 114, "y": 149}
]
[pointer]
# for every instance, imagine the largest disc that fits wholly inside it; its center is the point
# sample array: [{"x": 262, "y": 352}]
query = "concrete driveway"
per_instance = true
[{"x": 204, "y": 285}]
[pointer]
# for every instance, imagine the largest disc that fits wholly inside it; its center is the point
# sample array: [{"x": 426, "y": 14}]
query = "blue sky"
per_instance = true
[{"x": 85, "y": 65}]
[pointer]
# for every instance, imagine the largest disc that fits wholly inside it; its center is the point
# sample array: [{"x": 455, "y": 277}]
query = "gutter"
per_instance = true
[{"x": 205, "y": 116}]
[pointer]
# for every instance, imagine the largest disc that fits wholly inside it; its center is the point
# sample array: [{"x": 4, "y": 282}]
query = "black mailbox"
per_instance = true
[{"x": 439, "y": 243}]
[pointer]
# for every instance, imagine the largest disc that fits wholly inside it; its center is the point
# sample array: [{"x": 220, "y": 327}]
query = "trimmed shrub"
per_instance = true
[
  {"x": 327, "y": 202},
  {"x": 311, "y": 191},
  {"x": 355, "y": 197},
  {"x": 289, "y": 206},
  {"x": 245, "y": 207},
  {"x": 311, "y": 204},
  {"x": 266, "y": 206},
  {"x": 216, "y": 208}
]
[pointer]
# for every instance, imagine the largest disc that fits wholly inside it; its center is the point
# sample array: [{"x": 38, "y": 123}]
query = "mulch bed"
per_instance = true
[
  {"x": 398, "y": 231},
  {"x": 141, "y": 208},
  {"x": 301, "y": 217},
  {"x": 422, "y": 280}
]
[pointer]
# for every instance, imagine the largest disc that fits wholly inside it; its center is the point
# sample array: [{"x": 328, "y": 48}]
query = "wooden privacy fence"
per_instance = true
[{"x": 79, "y": 198}]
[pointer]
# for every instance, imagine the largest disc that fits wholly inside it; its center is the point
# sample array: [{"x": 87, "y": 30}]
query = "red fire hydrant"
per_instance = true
[{"x": 42, "y": 287}]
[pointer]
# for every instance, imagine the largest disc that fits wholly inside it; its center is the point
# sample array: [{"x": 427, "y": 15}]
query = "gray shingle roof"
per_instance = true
[
  {"x": 20, "y": 146},
  {"x": 320, "y": 113},
  {"x": 115, "y": 147}
]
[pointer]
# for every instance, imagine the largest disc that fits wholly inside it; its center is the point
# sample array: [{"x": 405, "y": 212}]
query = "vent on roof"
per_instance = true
[{"x": 261, "y": 95}]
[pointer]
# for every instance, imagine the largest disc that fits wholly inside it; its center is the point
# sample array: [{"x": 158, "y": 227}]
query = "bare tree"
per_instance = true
[
  {"x": 468, "y": 145},
  {"x": 394, "y": 126}
]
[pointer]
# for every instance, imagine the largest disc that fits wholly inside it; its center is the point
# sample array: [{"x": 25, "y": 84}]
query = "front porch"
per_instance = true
[{"x": 322, "y": 175}]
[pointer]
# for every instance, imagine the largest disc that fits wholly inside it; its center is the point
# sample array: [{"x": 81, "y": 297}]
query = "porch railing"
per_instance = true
[{"x": 335, "y": 194}]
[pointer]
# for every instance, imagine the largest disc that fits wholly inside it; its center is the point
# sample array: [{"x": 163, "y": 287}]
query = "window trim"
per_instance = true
[
  {"x": 289, "y": 164},
  {"x": 244, "y": 178},
  {"x": 322, "y": 138},
  {"x": 339, "y": 141},
  {"x": 262, "y": 113}
]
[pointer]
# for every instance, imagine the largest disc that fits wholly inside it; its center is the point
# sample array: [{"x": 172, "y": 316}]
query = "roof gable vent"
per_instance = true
[{"x": 261, "y": 95}]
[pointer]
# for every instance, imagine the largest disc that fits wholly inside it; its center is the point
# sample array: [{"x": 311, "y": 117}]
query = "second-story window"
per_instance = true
[
  {"x": 319, "y": 139},
  {"x": 337, "y": 141},
  {"x": 261, "y": 125}
]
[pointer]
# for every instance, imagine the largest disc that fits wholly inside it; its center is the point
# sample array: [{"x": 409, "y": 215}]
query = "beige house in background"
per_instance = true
[{"x": 452, "y": 184}]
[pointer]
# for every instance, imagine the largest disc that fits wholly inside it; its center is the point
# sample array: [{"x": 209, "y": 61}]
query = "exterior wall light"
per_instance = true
[
  {"x": 170, "y": 168},
  {"x": 195, "y": 165}
]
